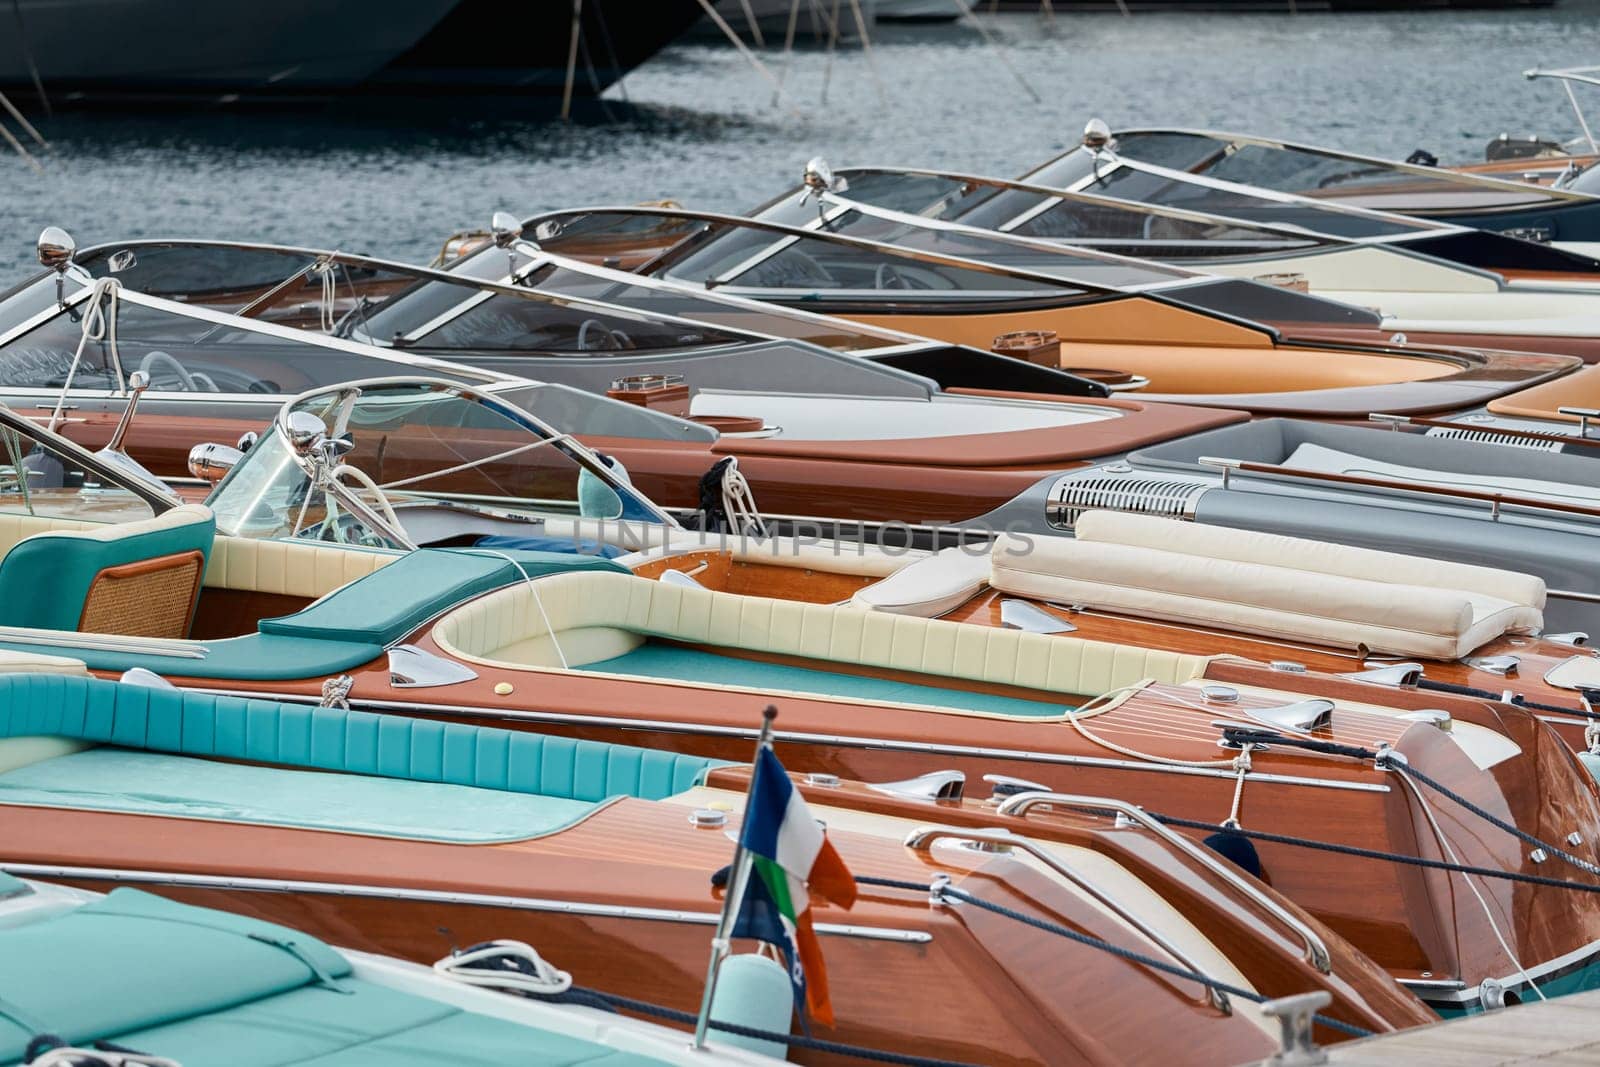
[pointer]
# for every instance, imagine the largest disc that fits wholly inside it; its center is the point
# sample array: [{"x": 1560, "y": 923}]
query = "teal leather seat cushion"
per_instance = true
[
  {"x": 355, "y": 742},
  {"x": 183, "y": 787},
  {"x": 45, "y": 579},
  {"x": 389, "y": 603},
  {"x": 263, "y": 657},
  {"x": 96, "y": 970},
  {"x": 207, "y": 988},
  {"x": 652, "y": 660}
]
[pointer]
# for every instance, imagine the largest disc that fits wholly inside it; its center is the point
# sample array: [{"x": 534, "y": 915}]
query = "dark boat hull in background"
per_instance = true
[
  {"x": 133, "y": 52},
  {"x": 486, "y": 47},
  {"x": 90, "y": 51}
]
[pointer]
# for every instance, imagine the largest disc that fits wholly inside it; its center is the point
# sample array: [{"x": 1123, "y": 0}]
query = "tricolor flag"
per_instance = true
[{"x": 790, "y": 858}]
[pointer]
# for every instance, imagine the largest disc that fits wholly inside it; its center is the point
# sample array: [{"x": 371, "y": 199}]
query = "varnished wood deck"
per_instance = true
[{"x": 1559, "y": 1031}]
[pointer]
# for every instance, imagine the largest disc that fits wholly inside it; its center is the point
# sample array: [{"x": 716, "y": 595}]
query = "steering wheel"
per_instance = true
[
  {"x": 192, "y": 383},
  {"x": 888, "y": 276},
  {"x": 611, "y": 340}
]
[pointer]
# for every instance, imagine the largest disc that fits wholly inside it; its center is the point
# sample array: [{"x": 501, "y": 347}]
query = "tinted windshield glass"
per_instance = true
[
  {"x": 1124, "y": 182},
  {"x": 1311, "y": 173},
  {"x": 750, "y": 258},
  {"x": 179, "y": 353},
  {"x": 506, "y": 323},
  {"x": 1123, "y": 230},
  {"x": 36, "y": 478},
  {"x": 419, "y": 444},
  {"x": 545, "y": 323},
  {"x": 275, "y": 285},
  {"x": 747, "y": 318}
]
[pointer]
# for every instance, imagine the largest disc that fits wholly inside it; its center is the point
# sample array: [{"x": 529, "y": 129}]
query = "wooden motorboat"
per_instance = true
[
  {"x": 456, "y": 635},
  {"x": 1557, "y": 215},
  {"x": 888, "y": 704},
  {"x": 1444, "y": 493},
  {"x": 409, "y": 838},
  {"x": 1185, "y": 337},
  {"x": 1380, "y": 618},
  {"x": 1436, "y": 284},
  {"x": 884, "y": 445},
  {"x": 214, "y": 988}
]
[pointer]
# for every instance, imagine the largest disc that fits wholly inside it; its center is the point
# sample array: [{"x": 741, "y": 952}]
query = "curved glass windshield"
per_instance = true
[
  {"x": 1309, "y": 172},
  {"x": 772, "y": 263},
  {"x": 39, "y": 479},
  {"x": 180, "y": 353},
  {"x": 1138, "y": 231},
  {"x": 1128, "y": 182},
  {"x": 404, "y": 450},
  {"x": 280, "y": 285}
]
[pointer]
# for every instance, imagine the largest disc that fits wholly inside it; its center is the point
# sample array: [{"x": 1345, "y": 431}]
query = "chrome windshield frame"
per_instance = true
[
  {"x": 1566, "y": 76},
  {"x": 157, "y": 500},
  {"x": 1059, "y": 195},
  {"x": 566, "y": 443},
  {"x": 217, "y": 318},
  {"x": 1413, "y": 226},
  {"x": 1481, "y": 181}
]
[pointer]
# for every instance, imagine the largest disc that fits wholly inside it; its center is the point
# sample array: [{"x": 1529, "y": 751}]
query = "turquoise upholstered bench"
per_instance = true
[
  {"x": 205, "y": 987},
  {"x": 330, "y": 739},
  {"x": 139, "y": 578},
  {"x": 345, "y": 629}
]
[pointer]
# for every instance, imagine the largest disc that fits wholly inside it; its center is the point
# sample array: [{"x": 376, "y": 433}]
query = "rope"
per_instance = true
[
  {"x": 99, "y": 324},
  {"x": 505, "y": 965},
  {"x": 1374, "y": 854},
  {"x": 524, "y": 971},
  {"x": 1387, "y": 761},
  {"x": 330, "y": 292},
  {"x": 538, "y": 601},
  {"x": 1488, "y": 913},
  {"x": 1519, "y": 700},
  {"x": 1094, "y": 942},
  {"x": 1073, "y": 714},
  {"x": 738, "y": 502}
]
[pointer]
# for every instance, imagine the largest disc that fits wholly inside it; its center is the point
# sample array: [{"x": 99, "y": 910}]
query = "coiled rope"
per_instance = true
[
  {"x": 945, "y": 890},
  {"x": 99, "y": 324}
]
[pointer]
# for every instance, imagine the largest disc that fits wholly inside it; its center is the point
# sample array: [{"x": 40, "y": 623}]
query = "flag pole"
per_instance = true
[{"x": 731, "y": 896}]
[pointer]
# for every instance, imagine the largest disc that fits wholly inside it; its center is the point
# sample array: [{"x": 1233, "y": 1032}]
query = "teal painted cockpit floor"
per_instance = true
[
  {"x": 675, "y": 663},
  {"x": 206, "y": 988}
]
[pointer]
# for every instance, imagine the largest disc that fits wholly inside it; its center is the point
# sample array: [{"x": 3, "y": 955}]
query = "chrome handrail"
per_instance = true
[
  {"x": 1315, "y": 948},
  {"x": 1497, "y": 501},
  {"x": 923, "y": 837}
]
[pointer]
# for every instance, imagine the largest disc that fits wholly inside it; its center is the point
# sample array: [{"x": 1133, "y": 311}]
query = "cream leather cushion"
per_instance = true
[
  {"x": 1279, "y": 587},
  {"x": 291, "y": 568},
  {"x": 38, "y": 663},
  {"x": 597, "y": 615},
  {"x": 929, "y": 586}
]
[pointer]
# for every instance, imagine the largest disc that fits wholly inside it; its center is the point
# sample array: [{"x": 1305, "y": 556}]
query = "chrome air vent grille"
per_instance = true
[
  {"x": 1145, "y": 494},
  {"x": 1489, "y": 437}
]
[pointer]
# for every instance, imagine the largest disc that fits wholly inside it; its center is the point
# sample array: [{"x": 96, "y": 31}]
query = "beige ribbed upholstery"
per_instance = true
[
  {"x": 14, "y": 528},
  {"x": 12, "y": 662},
  {"x": 597, "y": 615},
  {"x": 289, "y": 567},
  {"x": 1281, "y": 587},
  {"x": 242, "y": 563}
]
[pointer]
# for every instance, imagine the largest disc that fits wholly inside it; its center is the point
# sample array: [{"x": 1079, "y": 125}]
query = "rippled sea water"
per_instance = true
[{"x": 698, "y": 123}]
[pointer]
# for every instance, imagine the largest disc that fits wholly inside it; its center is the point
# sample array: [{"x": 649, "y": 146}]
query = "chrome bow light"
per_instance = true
[
  {"x": 1096, "y": 135},
  {"x": 505, "y": 229},
  {"x": 305, "y": 432},
  {"x": 211, "y": 461},
  {"x": 55, "y": 249}
]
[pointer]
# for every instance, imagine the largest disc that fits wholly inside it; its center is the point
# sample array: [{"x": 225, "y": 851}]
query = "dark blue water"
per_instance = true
[{"x": 699, "y": 124}]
